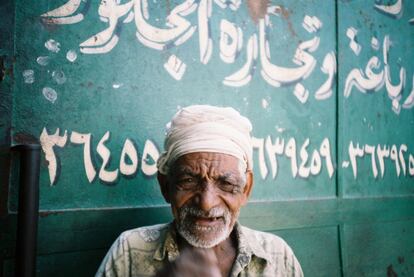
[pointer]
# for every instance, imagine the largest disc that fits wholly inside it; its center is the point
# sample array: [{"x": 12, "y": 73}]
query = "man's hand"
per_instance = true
[{"x": 193, "y": 262}]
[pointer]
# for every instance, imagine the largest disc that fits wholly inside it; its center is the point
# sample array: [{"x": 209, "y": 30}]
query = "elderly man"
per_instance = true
[{"x": 206, "y": 175}]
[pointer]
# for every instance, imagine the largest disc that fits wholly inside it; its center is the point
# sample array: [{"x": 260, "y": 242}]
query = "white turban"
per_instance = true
[{"x": 204, "y": 128}]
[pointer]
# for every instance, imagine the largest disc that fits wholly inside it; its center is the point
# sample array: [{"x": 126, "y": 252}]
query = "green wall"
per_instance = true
[{"x": 328, "y": 86}]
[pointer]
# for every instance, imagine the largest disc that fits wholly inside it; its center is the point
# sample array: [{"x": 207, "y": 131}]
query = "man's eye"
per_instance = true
[
  {"x": 228, "y": 187},
  {"x": 186, "y": 183},
  {"x": 186, "y": 180}
]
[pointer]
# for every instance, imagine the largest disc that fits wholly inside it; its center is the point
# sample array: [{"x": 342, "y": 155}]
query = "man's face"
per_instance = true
[{"x": 206, "y": 191}]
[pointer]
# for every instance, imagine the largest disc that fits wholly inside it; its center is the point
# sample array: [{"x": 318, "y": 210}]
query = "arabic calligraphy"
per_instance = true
[{"x": 178, "y": 29}]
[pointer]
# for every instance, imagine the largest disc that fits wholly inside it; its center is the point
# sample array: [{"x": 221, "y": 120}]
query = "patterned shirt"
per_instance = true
[{"x": 144, "y": 251}]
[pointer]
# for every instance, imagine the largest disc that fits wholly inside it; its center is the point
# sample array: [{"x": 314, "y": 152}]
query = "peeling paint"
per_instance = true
[
  {"x": 52, "y": 45},
  {"x": 71, "y": 56},
  {"x": 286, "y": 15},
  {"x": 265, "y": 104},
  {"x": 50, "y": 94},
  {"x": 257, "y": 9},
  {"x": 28, "y": 76},
  {"x": 59, "y": 77},
  {"x": 43, "y": 60},
  {"x": 391, "y": 272}
]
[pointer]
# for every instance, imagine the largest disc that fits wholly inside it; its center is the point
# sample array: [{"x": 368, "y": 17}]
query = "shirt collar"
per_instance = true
[
  {"x": 248, "y": 245},
  {"x": 169, "y": 246}
]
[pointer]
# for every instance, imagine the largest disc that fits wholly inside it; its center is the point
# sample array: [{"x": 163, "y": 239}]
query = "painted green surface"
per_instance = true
[
  {"x": 368, "y": 118},
  {"x": 337, "y": 225},
  {"x": 148, "y": 96},
  {"x": 382, "y": 254},
  {"x": 318, "y": 240}
]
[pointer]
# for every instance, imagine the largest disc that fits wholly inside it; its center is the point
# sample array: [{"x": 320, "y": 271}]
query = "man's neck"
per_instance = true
[{"x": 225, "y": 252}]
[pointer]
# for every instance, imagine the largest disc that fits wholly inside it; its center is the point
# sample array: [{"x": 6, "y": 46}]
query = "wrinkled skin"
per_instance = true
[{"x": 206, "y": 191}]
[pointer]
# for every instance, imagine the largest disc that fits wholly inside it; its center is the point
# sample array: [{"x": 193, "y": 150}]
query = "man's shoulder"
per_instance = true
[
  {"x": 144, "y": 237},
  {"x": 269, "y": 242},
  {"x": 132, "y": 254},
  {"x": 272, "y": 248}
]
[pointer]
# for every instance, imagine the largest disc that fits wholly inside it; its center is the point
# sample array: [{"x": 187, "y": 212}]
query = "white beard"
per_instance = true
[{"x": 188, "y": 230}]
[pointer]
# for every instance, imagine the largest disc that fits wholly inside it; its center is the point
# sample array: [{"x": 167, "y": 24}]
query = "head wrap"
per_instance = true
[{"x": 204, "y": 128}]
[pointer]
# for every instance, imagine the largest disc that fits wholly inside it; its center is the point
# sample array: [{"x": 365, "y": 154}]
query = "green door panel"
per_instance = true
[{"x": 328, "y": 86}]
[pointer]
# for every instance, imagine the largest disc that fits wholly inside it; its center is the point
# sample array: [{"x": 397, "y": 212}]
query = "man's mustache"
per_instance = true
[{"x": 215, "y": 212}]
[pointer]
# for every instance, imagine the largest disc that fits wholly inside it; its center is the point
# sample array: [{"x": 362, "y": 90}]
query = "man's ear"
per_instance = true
[
  {"x": 163, "y": 182},
  {"x": 248, "y": 187}
]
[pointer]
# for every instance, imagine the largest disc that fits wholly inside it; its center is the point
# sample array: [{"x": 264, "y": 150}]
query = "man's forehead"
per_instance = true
[
  {"x": 200, "y": 160},
  {"x": 202, "y": 157}
]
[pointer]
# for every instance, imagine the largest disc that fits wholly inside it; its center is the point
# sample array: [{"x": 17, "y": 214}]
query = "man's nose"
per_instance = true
[{"x": 207, "y": 198}]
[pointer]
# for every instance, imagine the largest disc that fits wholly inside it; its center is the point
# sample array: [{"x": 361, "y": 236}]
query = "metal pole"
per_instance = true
[{"x": 28, "y": 210}]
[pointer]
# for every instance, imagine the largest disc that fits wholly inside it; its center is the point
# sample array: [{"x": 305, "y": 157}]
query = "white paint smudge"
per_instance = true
[
  {"x": 243, "y": 76},
  {"x": 301, "y": 93},
  {"x": 52, "y": 45},
  {"x": 71, "y": 56},
  {"x": 280, "y": 129},
  {"x": 64, "y": 14},
  {"x": 351, "y": 33},
  {"x": 175, "y": 67},
  {"x": 369, "y": 81},
  {"x": 375, "y": 43},
  {"x": 311, "y": 24},
  {"x": 396, "y": 107},
  {"x": 395, "y": 10},
  {"x": 43, "y": 60},
  {"x": 28, "y": 76},
  {"x": 117, "y": 85},
  {"x": 265, "y": 104},
  {"x": 278, "y": 76},
  {"x": 345, "y": 164},
  {"x": 48, "y": 142},
  {"x": 59, "y": 77},
  {"x": 233, "y": 4},
  {"x": 329, "y": 68},
  {"x": 50, "y": 94},
  {"x": 231, "y": 41}
]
